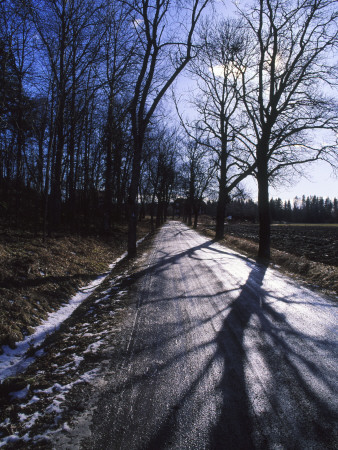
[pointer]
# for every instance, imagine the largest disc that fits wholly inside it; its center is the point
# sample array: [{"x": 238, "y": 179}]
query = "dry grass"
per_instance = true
[{"x": 37, "y": 277}]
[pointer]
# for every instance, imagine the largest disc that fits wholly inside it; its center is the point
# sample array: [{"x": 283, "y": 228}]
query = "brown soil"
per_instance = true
[{"x": 316, "y": 243}]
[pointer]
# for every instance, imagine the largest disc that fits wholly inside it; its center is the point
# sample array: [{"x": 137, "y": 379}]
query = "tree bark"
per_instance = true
[
  {"x": 71, "y": 146},
  {"x": 56, "y": 193},
  {"x": 263, "y": 208},
  {"x": 159, "y": 214},
  {"x": 117, "y": 171},
  {"x": 108, "y": 191},
  {"x": 191, "y": 195},
  {"x": 132, "y": 197},
  {"x": 152, "y": 208},
  {"x": 196, "y": 214},
  {"x": 222, "y": 198}
]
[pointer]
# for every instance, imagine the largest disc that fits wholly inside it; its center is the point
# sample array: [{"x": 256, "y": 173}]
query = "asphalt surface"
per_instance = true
[{"x": 223, "y": 354}]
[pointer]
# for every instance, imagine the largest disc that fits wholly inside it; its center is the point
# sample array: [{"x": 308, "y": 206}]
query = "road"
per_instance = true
[{"x": 224, "y": 354}]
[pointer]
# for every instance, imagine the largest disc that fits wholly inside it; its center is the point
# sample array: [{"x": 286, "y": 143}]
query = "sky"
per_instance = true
[
  {"x": 320, "y": 181},
  {"x": 317, "y": 179}
]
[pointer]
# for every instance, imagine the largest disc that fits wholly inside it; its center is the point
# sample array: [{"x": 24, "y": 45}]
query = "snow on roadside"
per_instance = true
[
  {"x": 14, "y": 361},
  {"x": 56, "y": 397},
  {"x": 37, "y": 411}
]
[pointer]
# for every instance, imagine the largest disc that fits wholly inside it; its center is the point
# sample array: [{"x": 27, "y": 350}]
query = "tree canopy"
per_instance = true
[{"x": 87, "y": 135}]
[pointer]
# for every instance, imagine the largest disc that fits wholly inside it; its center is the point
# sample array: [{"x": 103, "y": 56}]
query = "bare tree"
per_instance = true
[
  {"x": 165, "y": 29},
  {"x": 158, "y": 171},
  {"x": 119, "y": 45},
  {"x": 197, "y": 174},
  {"x": 16, "y": 62},
  {"x": 165, "y": 173},
  {"x": 68, "y": 39},
  {"x": 218, "y": 68},
  {"x": 286, "y": 105}
]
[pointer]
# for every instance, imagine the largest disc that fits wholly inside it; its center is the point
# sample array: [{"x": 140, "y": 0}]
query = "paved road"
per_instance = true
[{"x": 225, "y": 354}]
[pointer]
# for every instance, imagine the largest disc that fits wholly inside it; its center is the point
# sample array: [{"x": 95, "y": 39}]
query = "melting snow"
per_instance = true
[
  {"x": 92, "y": 348},
  {"x": 13, "y": 439},
  {"x": 20, "y": 394},
  {"x": 14, "y": 361}
]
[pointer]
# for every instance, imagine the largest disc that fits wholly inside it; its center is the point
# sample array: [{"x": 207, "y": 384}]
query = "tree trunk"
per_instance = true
[
  {"x": 165, "y": 211},
  {"x": 56, "y": 174},
  {"x": 117, "y": 174},
  {"x": 220, "y": 216},
  {"x": 132, "y": 225},
  {"x": 132, "y": 197},
  {"x": 19, "y": 169},
  {"x": 152, "y": 208},
  {"x": 196, "y": 211},
  {"x": 87, "y": 210},
  {"x": 222, "y": 195},
  {"x": 46, "y": 187},
  {"x": 191, "y": 197},
  {"x": 221, "y": 208},
  {"x": 108, "y": 191},
  {"x": 189, "y": 217},
  {"x": 263, "y": 209},
  {"x": 160, "y": 212},
  {"x": 71, "y": 149},
  {"x": 56, "y": 192}
]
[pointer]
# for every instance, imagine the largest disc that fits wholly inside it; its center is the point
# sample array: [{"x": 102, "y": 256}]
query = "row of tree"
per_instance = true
[
  {"x": 311, "y": 209},
  {"x": 84, "y": 99},
  {"x": 261, "y": 102},
  {"x": 81, "y": 81},
  {"x": 307, "y": 210}
]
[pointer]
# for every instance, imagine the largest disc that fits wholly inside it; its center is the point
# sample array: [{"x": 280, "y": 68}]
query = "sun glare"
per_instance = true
[{"x": 225, "y": 71}]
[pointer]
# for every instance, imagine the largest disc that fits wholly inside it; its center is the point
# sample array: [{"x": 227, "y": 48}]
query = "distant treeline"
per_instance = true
[{"x": 311, "y": 209}]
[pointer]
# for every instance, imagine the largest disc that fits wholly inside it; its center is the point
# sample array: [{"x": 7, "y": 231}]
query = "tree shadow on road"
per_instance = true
[
  {"x": 277, "y": 349},
  {"x": 294, "y": 413},
  {"x": 233, "y": 429}
]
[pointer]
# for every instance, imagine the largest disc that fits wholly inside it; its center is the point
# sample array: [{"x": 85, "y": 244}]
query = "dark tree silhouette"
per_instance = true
[{"x": 283, "y": 91}]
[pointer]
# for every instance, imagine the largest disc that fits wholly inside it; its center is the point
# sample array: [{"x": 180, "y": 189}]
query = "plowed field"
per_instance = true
[{"x": 314, "y": 242}]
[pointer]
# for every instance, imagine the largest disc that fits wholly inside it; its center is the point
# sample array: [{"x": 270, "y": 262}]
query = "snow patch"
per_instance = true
[
  {"x": 93, "y": 348},
  {"x": 29, "y": 420},
  {"x": 14, "y": 361},
  {"x": 20, "y": 394},
  {"x": 13, "y": 438},
  {"x": 106, "y": 297}
]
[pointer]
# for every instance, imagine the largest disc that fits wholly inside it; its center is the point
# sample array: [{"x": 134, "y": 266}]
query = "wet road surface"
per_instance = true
[{"x": 223, "y": 354}]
